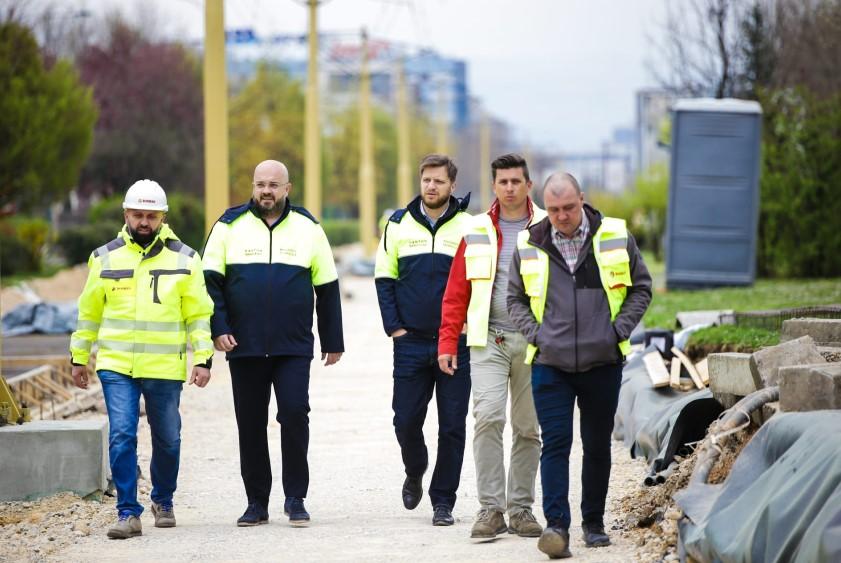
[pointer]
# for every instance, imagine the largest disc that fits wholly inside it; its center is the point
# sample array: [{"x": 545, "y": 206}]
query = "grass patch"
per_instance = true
[
  {"x": 765, "y": 294},
  {"x": 730, "y": 338}
]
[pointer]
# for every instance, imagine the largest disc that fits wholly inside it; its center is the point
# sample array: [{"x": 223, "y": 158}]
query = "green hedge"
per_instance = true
[
  {"x": 341, "y": 231},
  {"x": 22, "y": 244},
  {"x": 77, "y": 243}
]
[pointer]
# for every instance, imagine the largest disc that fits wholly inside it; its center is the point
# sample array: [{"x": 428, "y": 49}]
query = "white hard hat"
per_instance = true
[{"x": 147, "y": 195}]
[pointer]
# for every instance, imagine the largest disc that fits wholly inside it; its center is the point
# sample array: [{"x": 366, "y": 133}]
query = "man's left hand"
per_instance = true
[
  {"x": 331, "y": 357},
  {"x": 200, "y": 376}
]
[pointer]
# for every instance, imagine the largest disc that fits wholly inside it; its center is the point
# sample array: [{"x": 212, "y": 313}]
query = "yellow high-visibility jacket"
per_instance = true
[{"x": 141, "y": 305}]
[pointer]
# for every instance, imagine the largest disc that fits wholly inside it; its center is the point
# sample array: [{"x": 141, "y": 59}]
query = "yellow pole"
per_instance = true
[
  {"x": 441, "y": 130},
  {"x": 485, "y": 161},
  {"x": 215, "y": 114},
  {"x": 367, "y": 198},
  {"x": 312, "y": 137},
  {"x": 404, "y": 169}
]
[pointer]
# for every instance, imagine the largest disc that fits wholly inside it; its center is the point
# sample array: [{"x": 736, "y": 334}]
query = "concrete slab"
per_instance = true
[
  {"x": 690, "y": 318},
  {"x": 810, "y": 387},
  {"x": 765, "y": 363},
  {"x": 730, "y": 373},
  {"x": 825, "y": 332},
  {"x": 44, "y": 457}
]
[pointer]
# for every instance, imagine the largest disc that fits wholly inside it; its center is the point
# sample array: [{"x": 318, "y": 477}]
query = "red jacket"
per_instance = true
[{"x": 458, "y": 292}]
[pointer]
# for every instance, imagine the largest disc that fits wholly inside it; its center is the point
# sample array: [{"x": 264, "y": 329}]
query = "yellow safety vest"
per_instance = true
[
  {"x": 610, "y": 251},
  {"x": 480, "y": 257},
  {"x": 140, "y": 305}
]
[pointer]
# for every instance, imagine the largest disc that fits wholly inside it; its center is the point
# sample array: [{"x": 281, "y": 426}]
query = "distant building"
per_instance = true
[
  {"x": 653, "y": 108},
  {"x": 436, "y": 84}
]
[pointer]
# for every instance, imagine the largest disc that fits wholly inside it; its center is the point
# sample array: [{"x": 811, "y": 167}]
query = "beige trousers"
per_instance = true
[{"x": 493, "y": 369}]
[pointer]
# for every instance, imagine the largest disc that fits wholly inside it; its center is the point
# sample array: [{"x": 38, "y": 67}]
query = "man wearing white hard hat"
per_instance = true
[{"x": 144, "y": 299}]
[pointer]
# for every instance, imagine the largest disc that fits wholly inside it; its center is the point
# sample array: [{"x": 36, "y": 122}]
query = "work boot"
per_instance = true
[
  {"x": 442, "y": 516},
  {"x": 164, "y": 515},
  {"x": 523, "y": 523},
  {"x": 127, "y": 526},
  {"x": 489, "y": 524},
  {"x": 254, "y": 515},
  {"x": 412, "y": 492},
  {"x": 594, "y": 535},
  {"x": 554, "y": 542},
  {"x": 298, "y": 515}
]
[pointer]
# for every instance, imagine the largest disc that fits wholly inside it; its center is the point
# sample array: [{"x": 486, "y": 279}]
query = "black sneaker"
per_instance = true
[
  {"x": 442, "y": 516},
  {"x": 254, "y": 515},
  {"x": 412, "y": 492},
  {"x": 594, "y": 535},
  {"x": 294, "y": 508}
]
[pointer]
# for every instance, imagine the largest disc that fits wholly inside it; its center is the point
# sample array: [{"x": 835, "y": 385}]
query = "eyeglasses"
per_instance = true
[{"x": 270, "y": 185}]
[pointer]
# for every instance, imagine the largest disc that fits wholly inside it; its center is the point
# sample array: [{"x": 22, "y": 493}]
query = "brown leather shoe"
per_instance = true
[
  {"x": 523, "y": 523},
  {"x": 489, "y": 524}
]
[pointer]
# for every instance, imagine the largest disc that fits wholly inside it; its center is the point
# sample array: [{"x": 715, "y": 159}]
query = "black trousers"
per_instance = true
[
  {"x": 416, "y": 376},
  {"x": 252, "y": 380}
]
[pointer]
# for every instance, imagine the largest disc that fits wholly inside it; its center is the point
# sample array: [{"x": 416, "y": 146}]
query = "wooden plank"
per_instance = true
[
  {"x": 703, "y": 371},
  {"x": 690, "y": 367},
  {"x": 674, "y": 379},
  {"x": 656, "y": 369},
  {"x": 686, "y": 384}
]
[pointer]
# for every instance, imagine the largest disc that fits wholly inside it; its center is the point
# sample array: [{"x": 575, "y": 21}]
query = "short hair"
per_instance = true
[
  {"x": 508, "y": 161},
  {"x": 436, "y": 160},
  {"x": 556, "y": 178}
]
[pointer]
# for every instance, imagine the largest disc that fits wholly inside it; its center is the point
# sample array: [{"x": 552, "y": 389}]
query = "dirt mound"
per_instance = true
[{"x": 66, "y": 285}]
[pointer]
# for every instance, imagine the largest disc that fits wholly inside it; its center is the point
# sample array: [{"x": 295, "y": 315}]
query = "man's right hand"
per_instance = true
[
  {"x": 399, "y": 332},
  {"x": 225, "y": 342},
  {"x": 80, "y": 376},
  {"x": 448, "y": 363}
]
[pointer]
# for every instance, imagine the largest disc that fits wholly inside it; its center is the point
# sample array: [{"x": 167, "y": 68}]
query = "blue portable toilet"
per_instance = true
[{"x": 713, "y": 213}]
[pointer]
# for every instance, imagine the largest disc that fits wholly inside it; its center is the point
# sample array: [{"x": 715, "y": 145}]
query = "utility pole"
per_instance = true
[
  {"x": 484, "y": 161},
  {"x": 441, "y": 129},
  {"x": 215, "y": 114},
  {"x": 404, "y": 170},
  {"x": 312, "y": 133},
  {"x": 367, "y": 197}
]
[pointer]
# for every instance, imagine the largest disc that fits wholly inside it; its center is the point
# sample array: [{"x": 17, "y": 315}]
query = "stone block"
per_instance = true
[
  {"x": 765, "y": 363},
  {"x": 726, "y": 400},
  {"x": 44, "y": 457},
  {"x": 769, "y": 410},
  {"x": 730, "y": 373},
  {"x": 825, "y": 332},
  {"x": 810, "y": 387},
  {"x": 690, "y": 318}
]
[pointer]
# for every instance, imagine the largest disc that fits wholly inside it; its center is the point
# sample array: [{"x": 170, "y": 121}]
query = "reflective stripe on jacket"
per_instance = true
[
  {"x": 413, "y": 262},
  {"x": 141, "y": 305},
  {"x": 262, "y": 280},
  {"x": 470, "y": 284}
]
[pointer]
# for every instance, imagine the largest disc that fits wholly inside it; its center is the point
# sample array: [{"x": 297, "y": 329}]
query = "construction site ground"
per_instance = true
[{"x": 354, "y": 495}]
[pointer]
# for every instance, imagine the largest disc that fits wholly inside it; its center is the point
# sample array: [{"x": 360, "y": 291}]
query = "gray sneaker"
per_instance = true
[
  {"x": 126, "y": 527},
  {"x": 523, "y": 523},
  {"x": 489, "y": 524},
  {"x": 554, "y": 542},
  {"x": 164, "y": 515}
]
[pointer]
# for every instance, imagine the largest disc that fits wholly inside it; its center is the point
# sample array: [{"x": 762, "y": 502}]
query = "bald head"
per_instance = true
[
  {"x": 564, "y": 202},
  {"x": 559, "y": 182},
  {"x": 271, "y": 186},
  {"x": 274, "y": 168}
]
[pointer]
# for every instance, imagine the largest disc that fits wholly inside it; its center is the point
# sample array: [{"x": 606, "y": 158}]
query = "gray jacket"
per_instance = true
[{"x": 577, "y": 334}]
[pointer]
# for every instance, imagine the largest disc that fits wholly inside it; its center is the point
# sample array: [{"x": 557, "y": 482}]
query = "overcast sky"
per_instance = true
[{"x": 562, "y": 72}]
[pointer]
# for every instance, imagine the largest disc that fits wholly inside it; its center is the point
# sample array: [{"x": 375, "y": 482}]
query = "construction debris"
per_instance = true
[
  {"x": 656, "y": 369},
  {"x": 690, "y": 367},
  {"x": 825, "y": 332}
]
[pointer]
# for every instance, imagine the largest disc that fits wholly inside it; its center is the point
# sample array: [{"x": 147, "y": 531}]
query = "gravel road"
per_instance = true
[{"x": 354, "y": 496}]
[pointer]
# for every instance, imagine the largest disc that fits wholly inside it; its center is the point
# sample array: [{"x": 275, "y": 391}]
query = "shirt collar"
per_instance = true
[{"x": 430, "y": 219}]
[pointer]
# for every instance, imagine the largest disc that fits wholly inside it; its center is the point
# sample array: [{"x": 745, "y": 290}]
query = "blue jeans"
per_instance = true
[
  {"x": 122, "y": 398},
  {"x": 555, "y": 393},
  {"x": 416, "y": 375}
]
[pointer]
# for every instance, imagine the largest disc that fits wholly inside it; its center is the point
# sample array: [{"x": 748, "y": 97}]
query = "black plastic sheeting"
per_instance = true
[
  {"x": 781, "y": 500},
  {"x": 656, "y": 423},
  {"x": 44, "y": 318}
]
